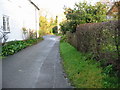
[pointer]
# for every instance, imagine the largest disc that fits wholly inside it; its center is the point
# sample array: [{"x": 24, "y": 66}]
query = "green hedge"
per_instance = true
[
  {"x": 100, "y": 39},
  {"x": 14, "y": 46}
]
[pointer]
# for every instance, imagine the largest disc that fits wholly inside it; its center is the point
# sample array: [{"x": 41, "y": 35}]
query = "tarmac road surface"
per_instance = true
[{"x": 37, "y": 66}]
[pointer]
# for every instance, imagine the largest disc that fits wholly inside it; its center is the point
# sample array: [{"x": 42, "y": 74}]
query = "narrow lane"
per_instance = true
[{"x": 35, "y": 67}]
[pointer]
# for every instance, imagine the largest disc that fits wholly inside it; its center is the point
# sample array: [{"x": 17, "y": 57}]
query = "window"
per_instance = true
[{"x": 6, "y": 26}]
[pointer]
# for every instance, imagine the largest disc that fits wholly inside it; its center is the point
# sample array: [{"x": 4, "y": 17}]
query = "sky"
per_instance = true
[
  {"x": 52, "y": 8},
  {"x": 55, "y": 7}
]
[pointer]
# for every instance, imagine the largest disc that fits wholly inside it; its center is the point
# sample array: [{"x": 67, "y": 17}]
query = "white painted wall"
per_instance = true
[{"x": 21, "y": 14}]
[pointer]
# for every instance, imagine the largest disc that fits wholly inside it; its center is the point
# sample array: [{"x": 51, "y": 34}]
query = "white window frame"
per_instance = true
[{"x": 6, "y": 26}]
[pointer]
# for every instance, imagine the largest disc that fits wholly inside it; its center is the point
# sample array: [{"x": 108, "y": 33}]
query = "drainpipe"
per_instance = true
[{"x": 36, "y": 24}]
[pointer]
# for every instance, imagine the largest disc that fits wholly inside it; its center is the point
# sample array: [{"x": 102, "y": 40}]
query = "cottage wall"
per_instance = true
[{"x": 21, "y": 14}]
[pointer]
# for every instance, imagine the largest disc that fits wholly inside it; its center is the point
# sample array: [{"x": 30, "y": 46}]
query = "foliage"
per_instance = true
[
  {"x": 14, "y": 46},
  {"x": 43, "y": 25},
  {"x": 100, "y": 39},
  {"x": 46, "y": 26},
  {"x": 32, "y": 34},
  {"x": 24, "y": 30},
  {"x": 84, "y": 72},
  {"x": 68, "y": 26},
  {"x": 63, "y": 38},
  {"x": 29, "y": 33},
  {"x": 83, "y": 13},
  {"x": 54, "y": 29},
  {"x": 111, "y": 79}
]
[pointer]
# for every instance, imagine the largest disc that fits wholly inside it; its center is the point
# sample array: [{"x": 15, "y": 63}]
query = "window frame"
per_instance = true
[{"x": 6, "y": 25}]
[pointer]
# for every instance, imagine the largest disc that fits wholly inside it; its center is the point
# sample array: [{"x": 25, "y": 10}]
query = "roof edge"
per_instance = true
[{"x": 34, "y": 4}]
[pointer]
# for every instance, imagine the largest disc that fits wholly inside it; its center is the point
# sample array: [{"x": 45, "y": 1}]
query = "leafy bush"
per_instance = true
[
  {"x": 68, "y": 26},
  {"x": 111, "y": 80},
  {"x": 24, "y": 30},
  {"x": 83, "y": 13},
  {"x": 32, "y": 34},
  {"x": 63, "y": 38},
  {"x": 64, "y": 26},
  {"x": 14, "y": 46},
  {"x": 100, "y": 39},
  {"x": 54, "y": 29}
]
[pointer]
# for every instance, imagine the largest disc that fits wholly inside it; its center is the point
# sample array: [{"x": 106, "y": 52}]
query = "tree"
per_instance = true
[
  {"x": 84, "y": 13},
  {"x": 43, "y": 25},
  {"x": 46, "y": 26}
]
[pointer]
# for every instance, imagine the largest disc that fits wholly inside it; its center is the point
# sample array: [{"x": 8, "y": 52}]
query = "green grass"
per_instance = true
[
  {"x": 81, "y": 73},
  {"x": 57, "y": 34},
  {"x": 84, "y": 72}
]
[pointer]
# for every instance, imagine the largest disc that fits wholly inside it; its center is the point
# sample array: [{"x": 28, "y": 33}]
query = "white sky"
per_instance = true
[{"x": 55, "y": 7}]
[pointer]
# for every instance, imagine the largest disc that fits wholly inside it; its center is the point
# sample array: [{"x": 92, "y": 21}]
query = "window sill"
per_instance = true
[{"x": 6, "y": 31}]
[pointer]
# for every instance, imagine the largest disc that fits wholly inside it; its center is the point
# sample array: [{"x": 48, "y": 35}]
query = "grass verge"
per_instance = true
[{"x": 82, "y": 73}]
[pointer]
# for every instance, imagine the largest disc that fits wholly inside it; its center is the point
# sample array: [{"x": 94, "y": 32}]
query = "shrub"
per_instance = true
[
  {"x": 32, "y": 34},
  {"x": 14, "y": 46},
  {"x": 100, "y": 39},
  {"x": 63, "y": 38},
  {"x": 54, "y": 29},
  {"x": 24, "y": 30},
  {"x": 83, "y": 13}
]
